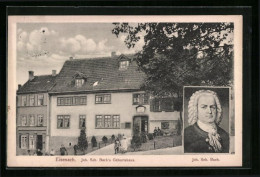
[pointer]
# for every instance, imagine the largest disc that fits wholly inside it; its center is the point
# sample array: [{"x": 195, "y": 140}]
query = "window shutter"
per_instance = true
[
  {"x": 123, "y": 125},
  {"x": 20, "y": 140}
]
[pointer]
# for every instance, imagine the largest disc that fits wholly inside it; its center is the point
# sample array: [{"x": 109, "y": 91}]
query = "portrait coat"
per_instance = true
[{"x": 196, "y": 140}]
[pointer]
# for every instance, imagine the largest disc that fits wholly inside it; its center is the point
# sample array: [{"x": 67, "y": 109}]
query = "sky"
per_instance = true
[{"x": 43, "y": 47}]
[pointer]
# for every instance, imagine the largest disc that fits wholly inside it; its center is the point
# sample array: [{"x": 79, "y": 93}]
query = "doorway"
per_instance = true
[
  {"x": 140, "y": 124},
  {"x": 39, "y": 142}
]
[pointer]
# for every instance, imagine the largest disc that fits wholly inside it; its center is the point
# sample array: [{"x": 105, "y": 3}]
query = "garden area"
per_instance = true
[
  {"x": 158, "y": 142},
  {"x": 86, "y": 146}
]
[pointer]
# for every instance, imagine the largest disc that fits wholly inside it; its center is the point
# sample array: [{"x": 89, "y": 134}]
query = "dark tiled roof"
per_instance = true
[
  {"x": 39, "y": 84},
  {"x": 104, "y": 72}
]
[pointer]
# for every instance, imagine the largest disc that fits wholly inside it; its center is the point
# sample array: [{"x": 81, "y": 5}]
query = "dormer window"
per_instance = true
[
  {"x": 124, "y": 64},
  {"x": 79, "y": 82}
]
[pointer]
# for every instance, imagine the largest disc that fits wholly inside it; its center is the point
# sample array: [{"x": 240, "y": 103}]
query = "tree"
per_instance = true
[
  {"x": 179, "y": 54},
  {"x": 82, "y": 141}
]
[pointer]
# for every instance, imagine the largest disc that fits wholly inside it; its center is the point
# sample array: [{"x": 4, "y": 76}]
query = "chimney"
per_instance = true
[
  {"x": 53, "y": 73},
  {"x": 31, "y": 76},
  {"x": 113, "y": 54},
  {"x": 71, "y": 58},
  {"x": 19, "y": 86}
]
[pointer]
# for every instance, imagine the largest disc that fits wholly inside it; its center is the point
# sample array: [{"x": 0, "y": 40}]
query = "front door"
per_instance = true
[
  {"x": 39, "y": 142},
  {"x": 140, "y": 124}
]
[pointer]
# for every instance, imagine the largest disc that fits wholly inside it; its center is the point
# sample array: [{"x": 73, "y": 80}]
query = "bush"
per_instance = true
[
  {"x": 82, "y": 140},
  {"x": 104, "y": 139},
  {"x": 143, "y": 137},
  {"x": 150, "y": 136},
  {"x": 113, "y": 137},
  {"x": 136, "y": 142},
  {"x": 94, "y": 141}
]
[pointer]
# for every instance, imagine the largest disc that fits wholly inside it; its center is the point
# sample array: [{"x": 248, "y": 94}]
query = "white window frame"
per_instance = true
[
  {"x": 40, "y": 99},
  {"x": 32, "y": 142},
  {"x": 24, "y": 141}
]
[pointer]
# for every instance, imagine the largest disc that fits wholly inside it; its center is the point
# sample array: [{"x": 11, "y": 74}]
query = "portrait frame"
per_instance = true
[{"x": 247, "y": 163}]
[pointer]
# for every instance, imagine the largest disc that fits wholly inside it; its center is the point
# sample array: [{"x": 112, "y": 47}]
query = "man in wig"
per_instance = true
[{"x": 204, "y": 135}]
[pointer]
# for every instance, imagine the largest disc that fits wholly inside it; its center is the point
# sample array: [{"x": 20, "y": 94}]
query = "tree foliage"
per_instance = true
[
  {"x": 179, "y": 54},
  {"x": 82, "y": 140}
]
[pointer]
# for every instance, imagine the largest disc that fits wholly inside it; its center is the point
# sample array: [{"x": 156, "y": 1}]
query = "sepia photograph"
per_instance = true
[
  {"x": 103, "y": 91},
  {"x": 207, "y": 120}
]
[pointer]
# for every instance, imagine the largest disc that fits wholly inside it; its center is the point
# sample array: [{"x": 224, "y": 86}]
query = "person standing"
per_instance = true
[
  {"x": 39, "y": 152},
  {"x": 63, "y": 150},
  {"x": 117, "y": 145}
]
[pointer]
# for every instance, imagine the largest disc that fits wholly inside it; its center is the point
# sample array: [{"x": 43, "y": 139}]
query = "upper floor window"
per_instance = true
[
  {"x": 164, "y": 104},
  {"x": 40, "y": 100},
  {"x": 32, "y": 100},
  {"x": 40, "y": 120},
  {"x": 79, "y": 82},
  {"x": 63, "y": 121},
  {"x": 24, "y": 101},
  {"x": 70, "y": 101},
  {"x": 124, "y": 64},
  {"x": 140, "y": 98},
  {"x": 31, "y": 120},
  {"x": 105, "y": 98},
  {"x": 23, "y": 120}
]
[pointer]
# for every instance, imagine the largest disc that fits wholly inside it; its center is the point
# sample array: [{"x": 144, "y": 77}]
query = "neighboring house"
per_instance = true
[
  {"x": 103, "y": 96},
  {"x": 32, "y": 113}
]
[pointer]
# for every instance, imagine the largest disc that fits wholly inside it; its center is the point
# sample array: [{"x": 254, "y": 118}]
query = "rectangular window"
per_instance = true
[
  {"x": 82, "y": 121},
  {"x": 32, "y": 100},
  {"x": 79, "y": 82},
  {"x": 63, "y": 121},
  {"x": 40, "y": 100},
  {"x": 24, "y": 142},
  {"x": 103, "y": 99},
  {"x": 72, "y": 101},
  {"x": 116, "y": 121},
  {"x": 31, "y": 142},
  {"x": 124, "y": 64},
  {"x": 140, "y": 98},
  {"x": 24, "y": 101},
  {"x": 165, "y": 125},
  {"x": 99, "y": 121},
  {"x": 128, "y": 125},
  {"x": 23, "y": 120},
  {"x": 31, "y": 120},
  {"x": 107, "y": 121},
  {"x": 40, "y": 120},
  {"x": 156, "y": 105}
]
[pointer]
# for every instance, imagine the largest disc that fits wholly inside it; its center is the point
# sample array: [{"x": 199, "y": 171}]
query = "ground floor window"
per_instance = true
[
  {"x": 63, "y": 121},
  {"x": 107, "y": 121},
  {"x": 165, "y": 125},
  {"x": 32, "y": 142},
  {"x": 24, "y": 142},
  {"x": 82, "y": 121}
]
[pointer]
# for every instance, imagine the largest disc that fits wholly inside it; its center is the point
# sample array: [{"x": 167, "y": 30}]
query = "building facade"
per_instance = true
[
  {"x": 32, "y": 114},
  {"x": 104, "y": 97},
  {"x": 101, "y": 95}
]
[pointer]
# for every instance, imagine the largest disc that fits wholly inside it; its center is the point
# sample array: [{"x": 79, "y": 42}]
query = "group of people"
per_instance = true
[
  {"x": 157, "y": 132},
  {"x": 121, "y": 146}
]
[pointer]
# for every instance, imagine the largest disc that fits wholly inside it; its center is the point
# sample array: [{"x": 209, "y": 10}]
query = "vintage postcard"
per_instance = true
[{"x": 124, "y": 91}]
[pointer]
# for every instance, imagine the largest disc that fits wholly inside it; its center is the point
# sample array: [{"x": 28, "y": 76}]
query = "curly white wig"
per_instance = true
[{"x": 193, "y": 106}]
